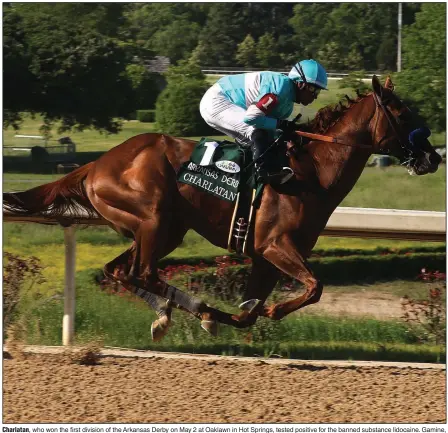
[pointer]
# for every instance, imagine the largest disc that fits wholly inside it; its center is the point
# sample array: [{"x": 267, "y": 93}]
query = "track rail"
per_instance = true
[
  {"x": 119, "y": 352},
  {"x": 345, "y": 222}
]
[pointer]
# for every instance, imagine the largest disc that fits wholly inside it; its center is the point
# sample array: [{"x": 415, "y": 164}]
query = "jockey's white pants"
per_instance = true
[{"x": 225, "y": 116}]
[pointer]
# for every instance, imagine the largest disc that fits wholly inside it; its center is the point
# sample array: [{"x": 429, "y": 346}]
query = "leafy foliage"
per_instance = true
[
  {"x": 423, "y": 79},
  {"x": 146, "y": 115},
  {"x": 146, "y": 85},
  {"x": 177, "y": 106},
  {"x": 349, "y": 36},
  {"x": 429, "y": 313},
  {"x": 354, "y": 81},
  {"x": 221, "y": 34},
  {"x": 246, "y": 52},
  {"x": 266, "y": 53},
  {"x": 82, "y": 63},
  {"x": 67, "y": 69},
  {"x": 19, "y": 276}
]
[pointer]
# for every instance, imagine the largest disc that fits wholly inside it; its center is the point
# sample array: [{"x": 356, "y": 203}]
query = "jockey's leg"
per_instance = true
[
  {"x": 282, "y": 253},
  {"x": 268, "y": 170},
  {"x": 225, "y": 116},
  {"x": 228, "y": 118}
]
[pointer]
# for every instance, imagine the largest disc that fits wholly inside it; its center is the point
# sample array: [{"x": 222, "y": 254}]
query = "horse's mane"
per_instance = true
[{"x": 330, "y": 114}]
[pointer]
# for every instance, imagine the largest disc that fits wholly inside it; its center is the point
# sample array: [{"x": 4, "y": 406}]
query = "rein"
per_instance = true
[
  {"x": 379, "y": 105},
  {"x": 329, "y": 139}
]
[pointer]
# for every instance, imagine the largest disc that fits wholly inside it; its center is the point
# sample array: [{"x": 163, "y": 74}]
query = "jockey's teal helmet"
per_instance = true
[{"x": 314, "y": 73}]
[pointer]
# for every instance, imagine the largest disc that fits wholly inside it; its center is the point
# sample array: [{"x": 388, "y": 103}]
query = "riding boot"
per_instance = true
[{"x": 267, "y": 170}]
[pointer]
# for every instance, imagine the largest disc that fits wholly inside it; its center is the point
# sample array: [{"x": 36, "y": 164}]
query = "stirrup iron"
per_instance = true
[{"x": 250, "y": 305}]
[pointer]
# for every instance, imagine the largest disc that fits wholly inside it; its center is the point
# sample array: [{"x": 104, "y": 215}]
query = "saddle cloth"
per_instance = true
[{"x": 217, "y": 168}]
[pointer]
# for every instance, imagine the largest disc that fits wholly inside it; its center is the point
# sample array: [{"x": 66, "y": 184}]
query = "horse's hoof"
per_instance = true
[
  {"x": 159, "y": 328},
  {"x": 250, "y": 305},
  {"x": 211, "y": 326}
]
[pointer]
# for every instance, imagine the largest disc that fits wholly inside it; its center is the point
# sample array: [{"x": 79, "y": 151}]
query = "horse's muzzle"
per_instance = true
[{"x": 427, "y": 163}]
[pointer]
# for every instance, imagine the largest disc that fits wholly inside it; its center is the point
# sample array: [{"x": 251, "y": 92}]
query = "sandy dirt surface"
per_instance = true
[
  {"x": 378, "y": 305},
  {"x": 50, "y": 389}
]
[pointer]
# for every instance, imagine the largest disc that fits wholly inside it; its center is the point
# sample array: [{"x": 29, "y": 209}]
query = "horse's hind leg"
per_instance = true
[
  {"x": 143, "y": 202},
  {"x": 118, "y": 269},
  {"x": 283, "y": 253},
  {"x": 158, "y": 220}
]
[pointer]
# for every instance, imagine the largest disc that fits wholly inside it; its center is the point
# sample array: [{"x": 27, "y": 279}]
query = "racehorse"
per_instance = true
[{"x": 134, "y": 188}]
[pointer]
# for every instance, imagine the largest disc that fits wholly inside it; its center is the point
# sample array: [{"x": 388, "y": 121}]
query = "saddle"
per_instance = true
[{"x": 219, "y": 168}]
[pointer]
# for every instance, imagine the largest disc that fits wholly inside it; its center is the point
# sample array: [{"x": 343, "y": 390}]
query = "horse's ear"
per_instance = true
[
  {"x": 388, "y": 84},
  {"x": 376, "y": 86}
]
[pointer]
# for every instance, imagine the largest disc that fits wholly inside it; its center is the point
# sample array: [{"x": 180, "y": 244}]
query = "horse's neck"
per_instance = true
[{"x": 339, "y": 166}]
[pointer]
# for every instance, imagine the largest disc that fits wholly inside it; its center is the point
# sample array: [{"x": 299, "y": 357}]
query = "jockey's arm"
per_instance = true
[{"x": 257, "y": 114}]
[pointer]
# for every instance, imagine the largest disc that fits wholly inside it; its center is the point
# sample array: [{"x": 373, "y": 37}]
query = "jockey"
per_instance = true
[{"x": 252, "y": 107}]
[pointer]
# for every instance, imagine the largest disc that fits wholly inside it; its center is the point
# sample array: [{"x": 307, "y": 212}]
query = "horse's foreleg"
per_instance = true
[
  {"x": 262, "y": 280},
  {"x": 284, "y": 255}
]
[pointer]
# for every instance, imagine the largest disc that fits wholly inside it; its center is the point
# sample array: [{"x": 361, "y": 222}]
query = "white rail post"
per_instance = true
[{"x": 68, "y": 322}]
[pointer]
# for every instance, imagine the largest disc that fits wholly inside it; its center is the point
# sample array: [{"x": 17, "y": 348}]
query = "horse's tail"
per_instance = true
[{"x": 54, "y": 199}]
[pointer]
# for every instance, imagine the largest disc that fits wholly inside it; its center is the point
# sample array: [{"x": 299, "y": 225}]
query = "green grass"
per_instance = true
[
  {"x": 393, "y": 188},
  {"x": 125, "y": 322}
]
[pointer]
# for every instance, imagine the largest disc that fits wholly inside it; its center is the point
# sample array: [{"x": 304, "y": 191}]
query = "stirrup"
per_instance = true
[{"x": 287, "y": 173}]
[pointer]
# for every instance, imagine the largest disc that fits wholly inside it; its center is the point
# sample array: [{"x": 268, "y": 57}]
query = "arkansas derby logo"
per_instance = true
[{"x": 228, "y": 166}]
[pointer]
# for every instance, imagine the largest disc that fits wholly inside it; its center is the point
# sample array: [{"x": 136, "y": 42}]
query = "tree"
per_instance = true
[
  {"x": 177, "y": 108},
  {"x": 330, "y": 56},
  {"x": 168, "y": 29},
  {"x": 199, "y": 55},
  {"x": 312, "y": 24},
  {"x": 176, "y": 40},
  {"x": 146, "y": 85},
  {"x": 63, "y": 69},
  {"x": 423, "y": 79},
  {"x": 266, "y": 51},
  {"x": 246, "y": 55},
  {"x": 363, "y": 35},
  {"x": 221, "y": 34}
]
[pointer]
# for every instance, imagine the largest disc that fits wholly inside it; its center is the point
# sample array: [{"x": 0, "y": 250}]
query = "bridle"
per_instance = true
[
  {"x": 381, "y": 107},
  {"x": 382, "y": 104}
]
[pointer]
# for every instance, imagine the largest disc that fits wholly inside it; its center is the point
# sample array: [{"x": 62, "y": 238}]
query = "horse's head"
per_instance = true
[{"x": 395, "y": 133}]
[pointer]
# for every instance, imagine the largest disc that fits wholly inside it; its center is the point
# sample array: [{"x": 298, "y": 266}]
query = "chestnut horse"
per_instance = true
[{"x": 133, "y": 186}]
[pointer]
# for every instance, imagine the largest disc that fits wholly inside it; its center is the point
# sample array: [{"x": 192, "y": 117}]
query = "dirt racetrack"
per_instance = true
[{"x": 50, "y": 389}]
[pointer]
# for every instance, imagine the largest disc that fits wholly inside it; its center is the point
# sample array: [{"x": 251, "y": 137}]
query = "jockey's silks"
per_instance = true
[{"x": 247, "y": 89}]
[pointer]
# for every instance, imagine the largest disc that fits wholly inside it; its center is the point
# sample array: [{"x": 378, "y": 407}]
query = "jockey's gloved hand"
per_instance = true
[{"x": 286, "y": 126}]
